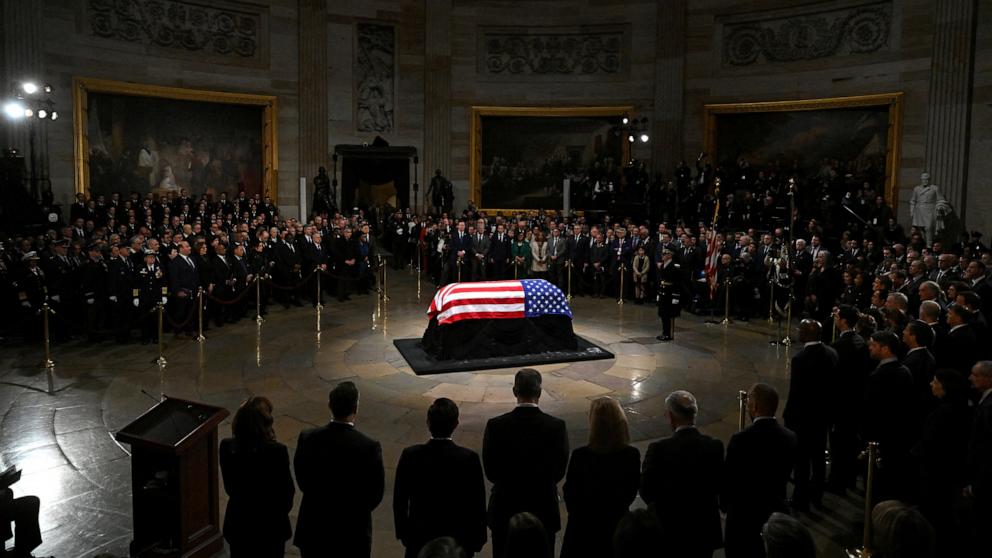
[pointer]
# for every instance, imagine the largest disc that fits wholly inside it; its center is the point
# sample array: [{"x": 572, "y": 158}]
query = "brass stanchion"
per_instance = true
[
  {"x": 48, "y": 362},
  {"x": 318, "y": 308},
  {"x": 161, "y": 338},
  {"x": 459, "y": 264},
  {"x": 317, "y": 301},
  {"x": 865, "y": 550},
  {"x": 623, "y": 269},
  {"x": 516, "y": 268},
  {"x": 382, "y": 283},
  {"x": 420, "y": 270},
  {"x": 568, "y": 296},
  {"x": 258, "y": 300},
  {"x": 771, "y": 303},
  {"x": 726, "y": 304},
  {"x": 787, "y": 340},
  {"x": 199, "y": 315},
  {"x": 833, "y": 330},
  {"x": 741, "y": 410}
]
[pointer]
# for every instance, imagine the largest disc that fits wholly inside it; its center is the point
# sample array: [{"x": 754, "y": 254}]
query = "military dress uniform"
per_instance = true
[
  {"x": 669, "y": 297},
  {"x": 152, "y": 288},
  {"x": 94, "y": 294}
]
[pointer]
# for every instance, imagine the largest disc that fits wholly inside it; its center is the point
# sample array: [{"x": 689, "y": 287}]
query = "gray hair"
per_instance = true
[
  {"x": 786, "y": 537},
  {"x": 902, "y": 301},
  {"x": 983, "y": 368},
  {"x": 682, "y": 404},
  {"x": 930, "y": 309}
]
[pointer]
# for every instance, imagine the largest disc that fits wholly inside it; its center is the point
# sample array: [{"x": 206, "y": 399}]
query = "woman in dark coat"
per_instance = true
[
  {"x": 258, "y": 483},
  {"x": 601, "y": 483},
  {"x": 942, "y": 454}
]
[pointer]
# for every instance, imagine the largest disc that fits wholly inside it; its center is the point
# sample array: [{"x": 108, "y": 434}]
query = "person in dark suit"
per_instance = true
[
  {"x": 340, "y": 472},
  {"x": 346, "y": 256},
  {"x": 759, "y": 460},
  {"x": 461, "y": 254},
  {"x": 499, "y": 253},
  {"x": 439, "y": 489},
  {"x": 918, "y": 337},
  {"x": 979, "y": 474},
  {"x": 942, "y": 454},
  {"x": 601, "y": 483},
  {"x": 807, "y": 412},
  {"x": 23, "y": 513},
  {"x": 184, "y": 280},
  {"x": 959, "y": 348},
  {"x": 287, "y": 270},
  {"x": 577, "y": 255},
  {"x": 680, "y": 481},
  {"x": 260, "y": 488},
  {"x": 524, "y": 453},
  {"x": 853, "y": 367},
  {"x": 890, "y": 399}
]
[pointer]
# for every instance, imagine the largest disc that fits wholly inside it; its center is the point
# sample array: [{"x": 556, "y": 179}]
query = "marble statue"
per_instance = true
[{"x": 927, "y": 208}]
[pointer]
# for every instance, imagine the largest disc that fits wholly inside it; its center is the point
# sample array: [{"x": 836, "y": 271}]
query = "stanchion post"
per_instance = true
[
  {"x": 787, "y": 340},
  {"x": 160, "y": 308},
  {"x": 318, "y": 308},
  {"x": 623, "y": 269},
  {"x": 568, "y": 296},
  {"x": 48, "y": 362},
  {"x": 771, "y": 301},
  {"x": 258, "y": 300},
  {"x": 382, "y": 285},
  {"x": 319, "y": 304},
  {"x": 459, "y": 264},
  {"x": 833, "y": 330},
  {"x": 872, "y": 456},
  {"x": 726, "y": 304},
  {"x": 199, "y": 315},
  {"x": 741, "y": 410}
]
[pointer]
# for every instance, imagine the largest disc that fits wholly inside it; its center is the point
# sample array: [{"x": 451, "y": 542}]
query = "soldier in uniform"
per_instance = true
[
  {"x": 94, "y": 283},
  {"x": 669, "y": 293},
  {"x": 151, "y": 289},
  {"x": 120, "y": 292},
  {"x": 60, "y": 272},
  {"x": 32, "y": 293},
  {"x": 258, "y": 267}
]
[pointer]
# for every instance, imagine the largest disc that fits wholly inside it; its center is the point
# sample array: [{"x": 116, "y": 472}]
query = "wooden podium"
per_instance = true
[{"x": 174, "y": 482}]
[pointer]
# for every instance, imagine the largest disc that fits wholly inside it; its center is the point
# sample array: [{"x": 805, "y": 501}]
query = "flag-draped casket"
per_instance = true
[{"x": 498, "y": 318}]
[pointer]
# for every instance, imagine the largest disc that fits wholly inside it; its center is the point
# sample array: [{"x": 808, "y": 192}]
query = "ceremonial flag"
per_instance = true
[
  {"x": 527, "y": 298},
  {"x": 712, "y": 260}
]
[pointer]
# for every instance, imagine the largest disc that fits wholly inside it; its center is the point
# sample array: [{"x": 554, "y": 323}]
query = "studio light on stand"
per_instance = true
[
  {"x": 633, "y": 129},
  {"x": 32, "y": 103}
]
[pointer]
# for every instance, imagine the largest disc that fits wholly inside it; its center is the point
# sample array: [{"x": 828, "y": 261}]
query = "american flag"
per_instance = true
[
  {"x": 712, "y": 259},
  {"x": 527, "y": 298}
]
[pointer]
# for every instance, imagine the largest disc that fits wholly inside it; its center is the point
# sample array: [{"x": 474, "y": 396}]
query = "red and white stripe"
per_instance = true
[
  {"x": 477, "y": 301},
  {"x": 712, "y": 260}
]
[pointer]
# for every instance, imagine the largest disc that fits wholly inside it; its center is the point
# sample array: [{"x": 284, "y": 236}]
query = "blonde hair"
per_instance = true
[{"x": 607, "y": 425}]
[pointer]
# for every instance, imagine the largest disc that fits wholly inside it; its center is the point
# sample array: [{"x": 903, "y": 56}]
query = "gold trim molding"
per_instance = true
[
  {"x": 893, "y": 141},
  {"x": 82, "y": 87},
  {"x": 475, "y": 137}
]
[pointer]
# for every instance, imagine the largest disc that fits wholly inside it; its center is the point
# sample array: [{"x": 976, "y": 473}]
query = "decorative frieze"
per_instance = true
[{"x": 556, "y": 51}]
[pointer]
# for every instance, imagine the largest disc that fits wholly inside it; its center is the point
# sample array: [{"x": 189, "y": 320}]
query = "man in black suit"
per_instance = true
[
  {"x": 807, "y": 412},
  {"x": 340, "y": 473},
  {"x": 288, "y": 265},
  {"x": 184, "y": 280},
  {"x": 918, "y": 337},
  {"x": 499, "y": 253},
  {"x": 980, "y": 457},
  {"x": 577, "y": 255},
  {"x": 759, "y": 460},
  {"x": 853, "y": 367},
  {"x": 680, "y": 482},
  {"x": 890, "y": 401},
  {"x": 959, "y": 348},
  {"x": 461, "y": 254},
  {"x": 525, "y": 453},
  {"x": 439, "y": 489}
]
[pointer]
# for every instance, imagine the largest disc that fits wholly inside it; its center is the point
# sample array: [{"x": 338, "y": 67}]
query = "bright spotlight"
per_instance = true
[
  {"x": 48, "y": 88},
  {"x": 55, "y": 115},
  {"x": 630, "y": 138},
  {"x": 28, "y": 113},
  {"x": 29, "y": 87},
  {"x": 13, "y": 110},
  {"x": 42, "y": 113},
  {"x": 644, "y": 138},
  {"x": 625, "y": 120}
]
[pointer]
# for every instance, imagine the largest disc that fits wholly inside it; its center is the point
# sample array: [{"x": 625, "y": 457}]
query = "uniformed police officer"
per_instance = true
[
  {"x": 669, "y": 293},
  {"x": 152, "y": 289},
  {"x": 94, "y": 286}
]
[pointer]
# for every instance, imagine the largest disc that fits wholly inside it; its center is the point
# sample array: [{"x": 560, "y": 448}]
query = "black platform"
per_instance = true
[{"x": 423, "y": 363}]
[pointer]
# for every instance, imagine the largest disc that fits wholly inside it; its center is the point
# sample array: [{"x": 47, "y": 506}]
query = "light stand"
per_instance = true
[
  {"x": 416, "y": 187},
  {"x": 35, "y": 104}
]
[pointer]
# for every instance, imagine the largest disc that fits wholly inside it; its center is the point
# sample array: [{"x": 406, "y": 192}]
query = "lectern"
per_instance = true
[{"x": 174, "y": 482}]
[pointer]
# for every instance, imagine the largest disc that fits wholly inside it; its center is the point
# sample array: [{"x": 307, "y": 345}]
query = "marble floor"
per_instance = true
[{"x": 58, "y": 426}]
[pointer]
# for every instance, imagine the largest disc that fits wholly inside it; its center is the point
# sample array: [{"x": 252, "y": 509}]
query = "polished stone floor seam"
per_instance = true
[{"x": 64, "y": 440}]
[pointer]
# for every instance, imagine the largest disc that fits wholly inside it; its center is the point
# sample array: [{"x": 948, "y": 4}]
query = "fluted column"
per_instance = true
[
  {"x": 437, "y": 92},
  {"x": 949, "y": 109},
  {"x": 314, "y": 129},
  {"x": 20, "y": 41},
  {"x": 669, "y": 85}
]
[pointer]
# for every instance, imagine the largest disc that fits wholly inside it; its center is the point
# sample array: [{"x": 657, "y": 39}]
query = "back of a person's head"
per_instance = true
[
  {"x": 343, "y": 400},
  {"x": 608, "y": 430},
  {"x": 527, "y": 384},
  {"x": 900, "y": 531},
  {"x": 442, "y": 547},
  {"x": 252, "y": 422},
  {"x": 786, "y": 537},
  {"x": 526, "y": 538},
  {"x": 442, "y": 417},
  {"x": 763, "y": 399},
  {"x": 638, "y": 535}
]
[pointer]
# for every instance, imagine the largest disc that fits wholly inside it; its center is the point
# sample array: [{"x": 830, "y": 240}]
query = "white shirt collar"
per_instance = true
[
  {"x": 685, "y": 427},
  {"x": 887, "y": 360},
  {"x": 527, "y": 405},
  {"x": 756, "y": 419},
  {"x": 984, "y": 395},
  {"x": 809, "y": 343},
  {"x": 959, "y": 326},
  {"x": 916, "y": 349}
]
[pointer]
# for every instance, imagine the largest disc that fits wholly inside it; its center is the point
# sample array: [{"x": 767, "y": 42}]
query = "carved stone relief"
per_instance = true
[
  {"x": 220, "y": 29},
  {"x": 808, "y": 36},
  {"x": 556, "y": 51},
  {"x": 375, "y": 77}
]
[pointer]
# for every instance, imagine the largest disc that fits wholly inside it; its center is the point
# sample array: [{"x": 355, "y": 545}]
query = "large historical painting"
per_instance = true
[
  {"x": 523, "y": 156},
  {"x": 163, "y": 140},
  {"x": 862, "y": 131}
]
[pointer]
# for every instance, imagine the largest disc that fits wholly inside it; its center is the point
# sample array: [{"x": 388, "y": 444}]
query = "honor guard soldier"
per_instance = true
[
  {"x": 94, "y": 283},
  {"x": 32, "y": 293},
  {"x": 669, "y": 293},
  {"x": 151, "y": 288}
]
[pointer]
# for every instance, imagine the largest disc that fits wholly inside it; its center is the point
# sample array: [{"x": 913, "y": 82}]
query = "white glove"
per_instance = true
[
  {"x": 136, "y": 303},
  {"x": 90, "y": 301},
  {"x": 165, "y": 300},
  {"x": 113, "y": 299},
  {"x": 56, "y": 298}
]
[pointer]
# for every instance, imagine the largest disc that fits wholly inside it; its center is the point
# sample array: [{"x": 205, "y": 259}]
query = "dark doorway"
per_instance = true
[{"x": 375, "y": 175}]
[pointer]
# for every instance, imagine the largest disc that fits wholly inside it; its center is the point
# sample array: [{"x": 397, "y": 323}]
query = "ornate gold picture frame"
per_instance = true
[
  {"x": 481, "y": 113},
  {"x": 889, "y": 105},
  {"x": 83, "y": 88}
]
